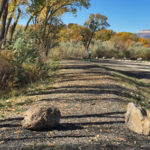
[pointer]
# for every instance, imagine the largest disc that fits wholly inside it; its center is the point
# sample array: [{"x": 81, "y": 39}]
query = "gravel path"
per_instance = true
[
  {"x": 92, "y": 114},
  {"x": 138, "y": 69}
]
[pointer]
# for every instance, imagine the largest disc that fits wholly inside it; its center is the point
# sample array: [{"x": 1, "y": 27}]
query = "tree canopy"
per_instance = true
[{"x": 94, "y": 23}]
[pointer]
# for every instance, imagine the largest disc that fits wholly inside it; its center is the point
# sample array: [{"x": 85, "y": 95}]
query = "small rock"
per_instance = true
[
  {"x": 41, "y": 117},
  {"x": 137, "y": 120},
  {"x": 139, "y": 59}
]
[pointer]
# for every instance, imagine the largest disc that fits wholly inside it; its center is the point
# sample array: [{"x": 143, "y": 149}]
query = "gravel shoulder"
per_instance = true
[{"x": 92, "y": 110}]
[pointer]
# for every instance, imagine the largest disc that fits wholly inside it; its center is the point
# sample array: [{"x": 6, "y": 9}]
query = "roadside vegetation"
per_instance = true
[{"x": 104, "y": 44}]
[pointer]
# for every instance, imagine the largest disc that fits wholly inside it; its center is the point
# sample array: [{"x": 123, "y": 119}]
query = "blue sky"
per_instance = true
[{"x": 123, "y": 15}]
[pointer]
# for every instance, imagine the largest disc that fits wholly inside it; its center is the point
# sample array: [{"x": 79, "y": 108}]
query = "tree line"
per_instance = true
[{"x": 41, "y": 13}]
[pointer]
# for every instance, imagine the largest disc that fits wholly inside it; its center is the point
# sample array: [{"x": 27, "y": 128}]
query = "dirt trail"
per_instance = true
[
  {"x": 92, "y": 109},
  {"x": 138, "y": 69}
]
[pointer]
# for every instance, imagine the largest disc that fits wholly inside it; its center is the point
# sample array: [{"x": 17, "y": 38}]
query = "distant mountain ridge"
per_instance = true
[{"x": 144, "y": 33}]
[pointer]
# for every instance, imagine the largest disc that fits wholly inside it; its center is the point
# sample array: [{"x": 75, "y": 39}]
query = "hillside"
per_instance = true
[{"x": 144, "y": 33}]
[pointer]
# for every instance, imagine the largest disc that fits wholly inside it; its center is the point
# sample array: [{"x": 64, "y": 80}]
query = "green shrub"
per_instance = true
[
  {"x": 26, "y": 61},
  {"x": 25, "y": 51},
  {"x": 145, "y": 54},
  {"x": 70, "y": 49}
]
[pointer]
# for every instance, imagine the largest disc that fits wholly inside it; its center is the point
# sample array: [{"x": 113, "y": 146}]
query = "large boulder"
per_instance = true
[
  {"x": 137, "y": 119},
  {"x": 40, "y": 117}
]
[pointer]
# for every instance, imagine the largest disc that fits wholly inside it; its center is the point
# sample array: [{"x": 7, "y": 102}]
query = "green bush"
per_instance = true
[
  {"x": 26, "y": 61},
  {"x": 25, "y": 51},
  {"x": 70, "y": 49}
]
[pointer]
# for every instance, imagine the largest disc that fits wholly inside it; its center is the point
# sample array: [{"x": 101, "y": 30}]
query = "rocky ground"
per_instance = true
[{"x": 92, "y": 110}]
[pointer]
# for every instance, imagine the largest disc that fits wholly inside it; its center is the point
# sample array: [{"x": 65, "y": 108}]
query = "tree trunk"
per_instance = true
[
  {"x": 4, "y": 18},
  {"x": 28, "y": 23},
  {"x": 9, "y": 22},
  {"x": 14, "y": 25},
  {"x": 47, "y": 50},
  {"x": 31, "y": 17},
  {"x": 89, "y": 42},
  {"x": 2, "y": 6},
  {"x": 45, "y": 23},
  {"x": 7, "y": 28}
]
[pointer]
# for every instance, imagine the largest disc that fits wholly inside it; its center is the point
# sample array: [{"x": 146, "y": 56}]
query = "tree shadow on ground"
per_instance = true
[
  {"x": 109, "y": 115},
  {"x": 10, "y": 122},
  {"x": 9, "y": 125},
  {"x": 63, "y": 127},
  {"x": 102, "y": 146},
  {"x": 12, "y": 119},
  {"x": 92, "y": 90},
  {"x": 43, "y": 137},
  {"x": 98, "y": 123},
  {"x": 97, "y": 89}
]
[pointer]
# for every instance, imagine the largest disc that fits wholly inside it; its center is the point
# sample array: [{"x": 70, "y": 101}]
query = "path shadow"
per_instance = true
[
  {"x": 109, "y": 115},
  {"x": 136, "y": 74},
  {"x": 10, "y": 122},
  {"x": 63, "y": 127},
  {"x": 98, "y": 89},
  {"x": 9, "y": 125},
  {"x": 43, "y": 137},
  {"x": 80, "y": 66},
  {"x": 94, "y": 90},
  {"x": 12, "y": 119},
  {"x": 102, "y": 146}
]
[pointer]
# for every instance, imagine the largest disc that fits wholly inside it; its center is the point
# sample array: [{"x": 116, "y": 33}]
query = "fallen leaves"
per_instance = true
[
  {"x": 121, "y": 139},
  {"x": 18, "y": 132}
]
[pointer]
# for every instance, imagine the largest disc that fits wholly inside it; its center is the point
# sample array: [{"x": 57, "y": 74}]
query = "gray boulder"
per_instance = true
[
  {"x": 40, "y": 117},
  {"x": 137, "y": 119}
]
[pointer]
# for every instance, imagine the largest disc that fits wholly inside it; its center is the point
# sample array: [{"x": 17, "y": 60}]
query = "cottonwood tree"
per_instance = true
[
  {"x": 16, "y": 8},
  {"x": 46, "y": 9},
  {"x": 71, "y": 32},
  {"x": 123, "y": 40},
  {"x": 95, "y": 23},
  {"x": 3, "y": 17},
  {"x": 10, "y": 12},
  {"x": 46, "y": 12},
  {"x": 3, "y": 4},
  {"x": 50, "y": 38},
  {"x": 104, "y": 35}
]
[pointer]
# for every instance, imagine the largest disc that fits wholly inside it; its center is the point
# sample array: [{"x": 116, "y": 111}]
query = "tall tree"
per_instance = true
[
  {"x": 95, "y": 22},
  {"x": 2, "y": 6},
  {"x": 46, "y": 11},
  {"x": 15, "y": 8},
  {"x": 11, "y": 13},
  {"x": 13, "y": 27},
  {"x": 4, "y": 14}
]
